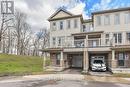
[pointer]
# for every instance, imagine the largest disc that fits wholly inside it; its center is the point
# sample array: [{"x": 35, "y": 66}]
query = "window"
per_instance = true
[
  {"x": 75, "y": 23},
  {"x": 54, "y": 41},
  {"x": 107, "y": 39},
  {"x": 61, "y": 25},
  {"x": 54, "y": 25},
  {"x": 68, "y": 24},
  {"x": 98, "y": 20},
  {"x": 127, "y": 17},
  {"x": 117, "y": 19},
  {"x": 128, "y": 36},
  {"x": 59, "y": 41},
  {"x": 107, "y": 20},
  {"x": 84, "y": 28},
  {"x": 58, "y": 59},
  {"x": 118, "y": 37},
  {"x": 121, "y": 58}
]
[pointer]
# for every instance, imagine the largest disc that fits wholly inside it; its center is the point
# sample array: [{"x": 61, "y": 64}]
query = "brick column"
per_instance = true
[{"x": 85, "y": 62}]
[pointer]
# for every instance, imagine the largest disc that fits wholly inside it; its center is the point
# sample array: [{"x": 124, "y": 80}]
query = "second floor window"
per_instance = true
[
  {"x": 128, "y": 36},
  {"x": 118, "y": 37},
  {"x": 84, "y": 28},
  {"x": 54, "y": 25},
  {"x": 61, "y": 25},
  {"x": 107, "y": 20},
  {"x": 75, "y": 23},
  {"x": 68, "y": 24},
  {"x": 117, "y": 19},
  {"x": 107, "y": 38},
  {"x": 54, "y": 41},
  {"x": 127, "y": 17},
  {"x": 98, "y": 20}
]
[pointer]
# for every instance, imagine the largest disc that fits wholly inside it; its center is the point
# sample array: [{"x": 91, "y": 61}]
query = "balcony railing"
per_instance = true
[{"x": 96, "y": 42}]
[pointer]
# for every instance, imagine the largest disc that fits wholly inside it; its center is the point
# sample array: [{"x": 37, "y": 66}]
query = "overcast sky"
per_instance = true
[{"x": 38, "y": 11}]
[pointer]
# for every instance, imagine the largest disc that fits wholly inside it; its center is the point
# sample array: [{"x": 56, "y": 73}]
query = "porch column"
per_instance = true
[
  {"x": 44, "y": 59},
  {"x": 114, "y": 62},
  {"x": 85, "y": 62},
  {"x": 61, "y": 59}
]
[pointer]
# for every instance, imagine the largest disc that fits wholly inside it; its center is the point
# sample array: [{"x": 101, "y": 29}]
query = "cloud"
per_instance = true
[{"x": 38, "y": 11}]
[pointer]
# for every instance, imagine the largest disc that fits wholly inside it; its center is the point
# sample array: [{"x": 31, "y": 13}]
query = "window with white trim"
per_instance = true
[
  {"x": 98, "y": 20},
  {"x": 128, "y": 36},
  {"x": 117, "y": 19},
  {"x": 54, "y": 26},
  {"x": 75, "y": 23},
  {"x": 106, "y": 20},
  {"x": 61, "y": 25},
  {"x": 118, "y": 37},
  {"x": 127, "y": 17},
  {"x": 68, "y": 24},
  {"x": 54, "y": 41}
]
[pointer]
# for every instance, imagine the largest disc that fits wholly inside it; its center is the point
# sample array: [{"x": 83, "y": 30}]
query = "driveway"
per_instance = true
[
  {"x": 60, "y": 83},
  {"x": 64, "y": 80}
]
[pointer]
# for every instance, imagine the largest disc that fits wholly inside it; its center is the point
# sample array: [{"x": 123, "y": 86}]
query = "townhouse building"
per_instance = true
[{"x": 74, "y": 42}]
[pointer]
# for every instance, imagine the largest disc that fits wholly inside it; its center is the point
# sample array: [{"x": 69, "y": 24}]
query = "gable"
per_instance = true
[{"x": 59, "y": 14}]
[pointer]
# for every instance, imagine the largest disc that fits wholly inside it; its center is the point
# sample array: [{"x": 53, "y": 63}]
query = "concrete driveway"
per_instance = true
[
  {"x": 63, "y": 80},
  {"x": 60, "y": 83}
]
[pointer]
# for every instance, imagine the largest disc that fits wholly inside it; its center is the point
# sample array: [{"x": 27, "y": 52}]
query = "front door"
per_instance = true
[{"x": 77, "y": 61}]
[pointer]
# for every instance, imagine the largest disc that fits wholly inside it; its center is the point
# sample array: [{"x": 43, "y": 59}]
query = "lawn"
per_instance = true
[{"x": 19, "y": 65}]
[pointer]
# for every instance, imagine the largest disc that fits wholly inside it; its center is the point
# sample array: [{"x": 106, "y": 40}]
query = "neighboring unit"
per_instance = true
[{"x": 75, "y": 42}]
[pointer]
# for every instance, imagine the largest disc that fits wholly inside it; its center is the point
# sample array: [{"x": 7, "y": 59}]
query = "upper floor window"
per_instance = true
[
  {"x": 107, "y": 20},
  {"x": 128, "y": 36},
  {"x": 107, "y": 38},
  {"x": 117, "y": 19},
  {"x": 54, "y": 25},
  {"x": 75, "y": 23},
  {"x": 61, "y": 25},
  {"x": 84, "y": 28},
  {"x": 127, "y": 17},
  {"x": 118, "y": 37},
  {"x": 54, "y": 41},
  {"x": 98, "y": 20},
  {"x": 68, "y": 24},
  {"x": 61, "y": 41}
]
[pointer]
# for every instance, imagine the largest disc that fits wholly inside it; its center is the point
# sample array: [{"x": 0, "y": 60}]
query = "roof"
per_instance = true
[
  {"x": 60, "y": 9},
  {"x": 111, "y": 10},
  {"x": 84, "y": 33}
]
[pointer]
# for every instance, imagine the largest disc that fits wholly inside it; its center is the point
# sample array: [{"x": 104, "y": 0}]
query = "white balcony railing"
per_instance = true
[{"x": 96, "y": 42}]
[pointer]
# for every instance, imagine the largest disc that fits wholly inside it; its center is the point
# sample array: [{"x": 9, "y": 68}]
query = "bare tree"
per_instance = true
[
  {"x": 22, "y": 32},
  {"x": 41, "y": 41}
]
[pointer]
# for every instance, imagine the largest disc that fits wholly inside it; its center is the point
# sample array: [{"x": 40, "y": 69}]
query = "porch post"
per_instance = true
[
  {"x": 85, "y": 62},
  {"x": 61, "y": 59},
  {"x": 44, "y": 59},
  {"x": 113, "y": 54},
  {"x": 114, "y": 62}
]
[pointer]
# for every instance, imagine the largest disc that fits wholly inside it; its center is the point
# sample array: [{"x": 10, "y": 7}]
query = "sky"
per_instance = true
[{"x": 39, "y": 11}]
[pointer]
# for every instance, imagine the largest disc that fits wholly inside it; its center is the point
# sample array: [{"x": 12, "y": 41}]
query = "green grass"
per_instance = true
[{"x": 19, "y": 65}]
